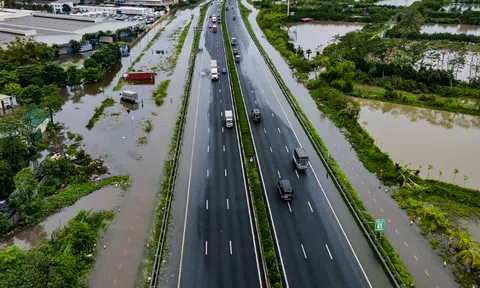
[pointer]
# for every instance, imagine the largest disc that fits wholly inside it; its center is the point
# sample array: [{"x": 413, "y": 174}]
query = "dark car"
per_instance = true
[
  {"x": 224, "y": 70},
  {"x": 234, "y": 17},
  {"x": 256, "y": 115},
  {"x": 285, "y": 190}
]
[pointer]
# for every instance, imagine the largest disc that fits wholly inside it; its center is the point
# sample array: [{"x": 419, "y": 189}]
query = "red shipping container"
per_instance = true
[{"x": 140, "y": 76}]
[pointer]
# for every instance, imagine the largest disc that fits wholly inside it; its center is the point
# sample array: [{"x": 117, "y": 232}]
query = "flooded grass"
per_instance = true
[
  {"x": 172, "y": 59},
  {"x": 142, "y": 140},
  {"x": 155, "y": 38},
  {"x": 119, "y": 85},
  {"x": 99, "y": 112},
  {"x": 161, "y": 92},
  {"x": 149, "y": 126}
]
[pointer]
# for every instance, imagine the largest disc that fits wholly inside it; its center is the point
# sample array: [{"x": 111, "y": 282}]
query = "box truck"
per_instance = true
[
  {"x": 228, "y": 118},
  {"x": 214, "y": 69}
]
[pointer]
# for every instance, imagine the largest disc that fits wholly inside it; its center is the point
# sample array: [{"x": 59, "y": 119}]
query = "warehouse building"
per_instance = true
[{"x": 114, "y": 10}]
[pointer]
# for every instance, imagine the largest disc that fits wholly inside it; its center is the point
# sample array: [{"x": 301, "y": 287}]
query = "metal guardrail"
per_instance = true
[
  {"x": 173, "y": 174},
  {"x": 364, "y": 224}
]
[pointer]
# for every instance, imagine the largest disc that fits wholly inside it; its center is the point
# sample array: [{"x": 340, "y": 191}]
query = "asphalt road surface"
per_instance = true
[
  {"x": 218, "y": 248},
  {"x": 314, "y": 248}
]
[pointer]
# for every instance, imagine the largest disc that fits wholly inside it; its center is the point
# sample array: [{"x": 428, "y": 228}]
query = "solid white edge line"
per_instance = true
[
  {"x": 231, "y": 252},
  {"x": 263, "y": 185},
  {"x": 228, "y": 205},
  {"x": 243, "y": 171},
  {"x": 296, "y": 172},
  {"x": 206, "y": 204},
  {"x": 190, "y": 172},
  {"x": 318, "y": 181},
  {"x": 279, "y": 176},
  {"x": 303, "y": 249},
  {"x": 328, "y": 250}
]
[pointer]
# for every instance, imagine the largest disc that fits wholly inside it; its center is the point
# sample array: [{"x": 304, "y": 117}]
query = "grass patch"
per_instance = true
[
  {"x": 99, "y": 112},
  {"x": 161, "y": 92},
  {"x": 148, "y": 127},
  {"x": 64, "y": 260},
  {"x": 267, "y": 247},
  {"x": 139, "y": 57},
  {"x": 421, "y": 100},
  {"x": 172, "y": 60},
  {"x": 142, "y": 140},
  {"x": 114, "y": 114},
  {"x": 386, "y": 249},
  {"x": 155, "y": 38},
  {"x": 166, "y": 193},
  {"x": 119, "y": 85},
  {"x": 154, "y": 113}
]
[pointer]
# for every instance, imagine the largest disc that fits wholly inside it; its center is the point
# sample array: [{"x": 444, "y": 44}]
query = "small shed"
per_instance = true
[
  {"x": 38, "y": 119},
  {"x": 7, "y": 101}
]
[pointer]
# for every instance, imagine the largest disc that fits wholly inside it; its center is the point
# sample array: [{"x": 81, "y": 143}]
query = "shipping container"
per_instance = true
[{"x": 140, "y": 76}]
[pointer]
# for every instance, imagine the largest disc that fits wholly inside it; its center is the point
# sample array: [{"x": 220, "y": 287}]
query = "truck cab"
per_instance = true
[
  {"x": 300, "y": 158},
  {"x": 256, "y": 115},
  {"x": 285, "y": 189},
  {"x": 228, "y": 118}
]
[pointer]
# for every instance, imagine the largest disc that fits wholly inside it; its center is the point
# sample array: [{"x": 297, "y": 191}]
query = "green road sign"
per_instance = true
[{"x": 379, "y": 225}]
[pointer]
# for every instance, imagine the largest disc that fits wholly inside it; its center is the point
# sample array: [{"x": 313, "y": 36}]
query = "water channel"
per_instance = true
[
  {"x": 420, "y": 136},
  {"x": 396, "y": 2}
]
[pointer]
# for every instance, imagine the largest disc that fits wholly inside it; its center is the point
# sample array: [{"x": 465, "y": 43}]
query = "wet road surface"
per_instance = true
[
  {"x": 311, "y": 232},
  {"x": 217, "y": 247},
  {"x": 425, "y": 266}
]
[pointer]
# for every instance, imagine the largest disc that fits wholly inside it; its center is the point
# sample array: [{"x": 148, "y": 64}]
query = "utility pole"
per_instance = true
[{"x": 288, "y": 7}]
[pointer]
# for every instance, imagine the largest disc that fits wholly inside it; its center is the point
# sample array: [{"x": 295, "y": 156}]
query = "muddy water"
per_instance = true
[
  {"x": 396, "y": 2},
  {"x": 421, "y": 136},
  {"x": 451, "y": 28},
  {"x": 316, "y": 35},
  {"x": 473, "y": 7},
  {"x": 103, "y": 199}
]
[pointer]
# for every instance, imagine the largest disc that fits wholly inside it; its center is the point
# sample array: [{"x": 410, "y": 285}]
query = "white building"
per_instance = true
[
  {"x": 58, "y": 5},
  {"x": 7, "y": 101},
  {"x": 114, "y": 10}
]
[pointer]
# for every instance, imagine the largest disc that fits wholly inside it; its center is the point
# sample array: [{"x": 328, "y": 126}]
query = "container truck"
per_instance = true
[
  {"x": 140, "y": 76},
  {"x": 228, "y": 118},
  {"x": 214, "y": 69},
  {"x": 129, "y": 95}
]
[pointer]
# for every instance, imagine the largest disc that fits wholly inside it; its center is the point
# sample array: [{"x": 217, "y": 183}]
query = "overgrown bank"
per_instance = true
[
  {"x": 63, "y": 261},
  {"x": 438, "y": 205},
  {"x": 269, "y": 254},
  {"x": 109, "y": 102},
  {"x": 393, "y": 261},
  {"x": 159, "y": 229}
]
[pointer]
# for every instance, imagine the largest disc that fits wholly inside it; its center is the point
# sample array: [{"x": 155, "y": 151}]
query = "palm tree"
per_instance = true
[
  {"x": 465, "y": 178},
  {"x": 470, "y": 256},
  {"x": 440, "y": 173},
  {"x": 455, "y": 172},
  {"x": 429, "y": 167},
  {"x": 309, "y": 51}
]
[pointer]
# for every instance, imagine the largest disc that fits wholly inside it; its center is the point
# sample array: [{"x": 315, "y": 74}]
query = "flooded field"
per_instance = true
[
  {"x": 419, "y": 136},
  {"x": 396, "y": 2},
  {"x": 316, "y": 35},
  {"x": 451, "y": 28}
]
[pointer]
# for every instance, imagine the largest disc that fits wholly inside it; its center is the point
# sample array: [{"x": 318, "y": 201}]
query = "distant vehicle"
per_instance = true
[
  {"x": 300, "y": 158},
  {"x": 214, "y": 19},
  {"x": 285, "y": 189},
  {"x": 235, "y": 51},
  {"x": 129, "y": 95},
  {"x": 256, "y": 115},
  {"x": 237, "y": 58},
  {"x": 214, "y": 28},
  {"x": 214, "y": 69},
  {"x": 228, "y": 118},
  {"x": 209, "y": 25},
  {"x": 140, "y": 76},
  {"x": 224, "y": 70},
  {"x": 234, "y": 17},
  {"x": 234, "y": 41},
  {"x": 226, "y": 8}
]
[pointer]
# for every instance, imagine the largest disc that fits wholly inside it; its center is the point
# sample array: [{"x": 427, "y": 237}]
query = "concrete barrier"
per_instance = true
[
  {"x": 67, "y": 17},
  {"x": 18, "y": 32}
]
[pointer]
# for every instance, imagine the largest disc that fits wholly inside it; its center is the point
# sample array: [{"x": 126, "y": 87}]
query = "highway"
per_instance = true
[
  {"x": 314, "y": 248},
  {"x": 218, "y": 246}
]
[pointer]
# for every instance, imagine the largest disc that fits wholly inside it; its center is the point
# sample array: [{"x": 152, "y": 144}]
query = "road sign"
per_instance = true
[{"x": 379, "y": 225}]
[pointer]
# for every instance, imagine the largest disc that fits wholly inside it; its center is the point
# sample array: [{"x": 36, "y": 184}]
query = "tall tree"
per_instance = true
[
  {"x": 7, "y": 77},
  {"x": 14, "y": 152},
  {"x": 74, "y": 75},
  {"x": 27, "y": 51},
  {"x": 26, "y": 184},
  {"x": 66, "y": 8},
  {"x": 30, "y": 75},
  {"x": 54, "y": 74},
  {"x": 13, "y": 89},
  {"x": 6, "y": 180},
  {"x": 4, "y": 224},
  {"x": 32, "y": 94},
  {"x": 51, "y": 101}
]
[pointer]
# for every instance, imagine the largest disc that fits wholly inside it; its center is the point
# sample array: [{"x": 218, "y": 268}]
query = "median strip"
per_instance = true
[
  {"x": 268, "y": 252},
  {"x": 393, "y": 265}
]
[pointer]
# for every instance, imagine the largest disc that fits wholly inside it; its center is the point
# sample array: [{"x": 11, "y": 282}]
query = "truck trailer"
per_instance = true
[
  {"x": 129, "y": 95},
  {"x": 228, "y": 118},
  {"x": 214, "y": 69},
  {"x": 132, "y": 76}
]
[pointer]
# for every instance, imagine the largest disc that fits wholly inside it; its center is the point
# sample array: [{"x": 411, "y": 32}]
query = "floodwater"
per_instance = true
[
  {"x": 451, "y": 28},
  {"x": 473, "y": 7},
  {"x": 316, "y": 35},
  {"x": 465, "y": 65},
  {"x": 114, "y": 138},
  {"x": 396, "y": 2},
  {"x": 104, "y": 199},
  {"x": 420, "y": 136}
]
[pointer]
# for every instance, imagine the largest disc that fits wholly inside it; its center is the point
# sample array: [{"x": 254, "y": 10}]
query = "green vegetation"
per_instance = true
[
  {"x": 142, "y": 140},
  {"x": 161, "y": 92},
  {"x": 267, "y": 246},
  {"x": 139, "y": 57},
  {"x": 167, "y": 191},
  {"x": 155, "y": 38},
  {"x": 148, "y": 127},
  {"x": 178, "y": 48},
  {"x": 345, "y": 70},
  {"x": 63, "y": 261},
  {"x": 99, "y": 112}
]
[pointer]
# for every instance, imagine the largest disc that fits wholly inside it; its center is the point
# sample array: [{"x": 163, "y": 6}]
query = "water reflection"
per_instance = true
[
  {"x": 423, "y": 136},
  {"x": 451, "y": 28},
  {"x": 316, "y": 35},
  {"x": 396, "y": 2}
]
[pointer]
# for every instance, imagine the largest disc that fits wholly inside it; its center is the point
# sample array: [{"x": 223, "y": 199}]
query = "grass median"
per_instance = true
[
  {"x": 109, "y": 102},
  {"x": 267, "y": 246},
  {"x": 351, "y": 195},
  {"x": 161, "y": 92},
  {"x": 167, "y": 190}
]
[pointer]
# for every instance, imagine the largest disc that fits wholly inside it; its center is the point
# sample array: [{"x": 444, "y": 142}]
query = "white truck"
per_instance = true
[
  {"x": 228, "y": 118},
  {"x": 234, "y": 41},
  {"x": 214, "y": 69},
  {"x": 214, "y": 19},
  {"x": 129, "y": 95}
]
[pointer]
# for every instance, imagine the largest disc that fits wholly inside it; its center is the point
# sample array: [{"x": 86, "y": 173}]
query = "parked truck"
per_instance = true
[
  {"x": 129, "y": 95},
  {"x": 228, "y": 118},
  {"x": 140, "y": 76},
  {"x": 214, "y": 69}
]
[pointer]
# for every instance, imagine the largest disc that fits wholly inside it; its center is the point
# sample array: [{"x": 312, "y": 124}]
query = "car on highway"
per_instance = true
[
  {"x": 209, "y": 25},
  {"x": 226, "y": 8},
  {"x": 224, "y": 70},
  {"x": 234, "y": 17},
  {"x": 255, "y": 114},
  {"x": 285, "y": 189},
  {"x": 300, "y": 158}
]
